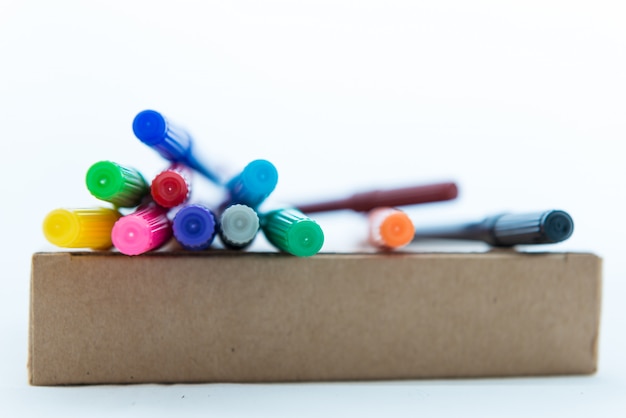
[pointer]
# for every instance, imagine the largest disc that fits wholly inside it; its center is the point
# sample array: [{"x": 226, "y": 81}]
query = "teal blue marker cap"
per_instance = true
[
  {"x": 293, "y": 232},
  {"x": 254, "y": 184}
]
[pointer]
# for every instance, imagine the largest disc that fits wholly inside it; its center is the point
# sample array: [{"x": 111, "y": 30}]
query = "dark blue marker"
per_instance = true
[
  {"x": 172, "y": 142},
  {"x": 508, "y": 229}
]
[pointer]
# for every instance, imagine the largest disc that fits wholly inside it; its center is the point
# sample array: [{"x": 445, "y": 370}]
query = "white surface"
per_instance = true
[{"x": 521, "y": 103}]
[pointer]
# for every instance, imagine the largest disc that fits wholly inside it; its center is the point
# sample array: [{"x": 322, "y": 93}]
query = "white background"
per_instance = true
[{"x": 523, "y": 104}]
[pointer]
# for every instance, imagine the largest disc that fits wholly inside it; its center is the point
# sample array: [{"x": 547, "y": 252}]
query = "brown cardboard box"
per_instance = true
[{"x": 220, "y": 316}]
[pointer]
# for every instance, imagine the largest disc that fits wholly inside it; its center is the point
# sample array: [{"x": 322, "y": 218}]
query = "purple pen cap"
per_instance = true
[{"x": 194, "y": 227}]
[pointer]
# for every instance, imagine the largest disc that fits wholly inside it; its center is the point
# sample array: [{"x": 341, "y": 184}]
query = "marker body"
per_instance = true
[
  {"x": 194, "y": 227},
  {"x": 505, "y": 230},
  {"x": 172, "y": 187},
  {"x": 291, "y": 231},
  {"x": 390, "y": 228},
  {"x": 81, "y": 228},
  {"x": 120, "y": 185},
  {"x": 171, "y": 141},
  {"x": 239, "y": 225},
  {"x": 366, "y": 201},
  {"x": 253, "y": 185},
  {"x": 144, "y": 230}
]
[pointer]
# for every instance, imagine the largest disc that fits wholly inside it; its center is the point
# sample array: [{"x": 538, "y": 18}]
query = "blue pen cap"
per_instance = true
[
  {"x": 172, "y": 142},
  {"x": 254, "y": 184},
  {"x": 194, "y": 227}
]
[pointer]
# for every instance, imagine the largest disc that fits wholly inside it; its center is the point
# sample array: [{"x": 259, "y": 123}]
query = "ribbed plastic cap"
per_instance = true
[
  {"x": 253, "y": 185},
  {"x": 80, "y": 228},
  {"x": 293, "y": 232},
  {"x": 142, "y": 231},
  {"x": 239, "y": 225},
  {"x": 260, "y": 177},
  {"x": 194, "y": 227},
  {"x": 150, "y": 127},
  {"x": 558, "y": 226},
  {"x": 114, "y": 183},
  {"x": 396, "y": 230},
  {"x": 169, "y": 189}
]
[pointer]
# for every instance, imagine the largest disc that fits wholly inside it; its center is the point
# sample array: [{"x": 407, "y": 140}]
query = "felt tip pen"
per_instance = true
[
  {"x": 146, "y": 229},
  {"x": 390, "y": 228},
  {"x": 509, "y": 229},
  {"x": 366, "y": 201},
  {"x": 238, "y": 226},
  {"x": 172, "y": 187},
  {"x": 253, "y": 185},
  {"x": 123, "y": 186},
  {"x": 81, "y": 228},
  {"x": 171, "y": 141},
  {"x": 292, "y": 231},
  {"x": 194, "y": 227}
]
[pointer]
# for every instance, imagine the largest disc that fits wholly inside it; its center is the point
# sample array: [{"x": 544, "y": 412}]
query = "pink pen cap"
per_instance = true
[
  {"x": 172, "y": 187},
  {"x": 144, "y": 230}
]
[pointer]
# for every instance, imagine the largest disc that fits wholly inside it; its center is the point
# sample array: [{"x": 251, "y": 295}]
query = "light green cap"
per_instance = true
[
  {"x": 123, "y": 186},
  {"x": 291, "y": 231}
]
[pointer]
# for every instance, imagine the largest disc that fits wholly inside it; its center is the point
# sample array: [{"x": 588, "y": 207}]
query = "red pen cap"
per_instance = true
[{"x": 172, "y": 187}]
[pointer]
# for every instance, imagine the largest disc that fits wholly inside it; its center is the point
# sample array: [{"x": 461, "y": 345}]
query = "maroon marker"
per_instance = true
[
  {"x": 172, "y": 187},
  {"x": 405, "y": 196}
]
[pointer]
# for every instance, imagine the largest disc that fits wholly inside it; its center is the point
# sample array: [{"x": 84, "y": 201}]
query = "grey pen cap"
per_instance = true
[{"x": 238, "y": 225}]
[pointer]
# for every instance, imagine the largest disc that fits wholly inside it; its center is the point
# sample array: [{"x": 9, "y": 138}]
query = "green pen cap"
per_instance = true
[
  {"x": 123, "y": 186},
  {"x": 293, "y": 232}
]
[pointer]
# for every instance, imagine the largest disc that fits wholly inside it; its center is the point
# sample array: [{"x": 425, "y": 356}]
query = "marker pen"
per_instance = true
[
  {"x": 120, "y": 185},
  {"x": 390, "y": 228},
  {"x": 508, "y": 229},
  {"x": 366, "y": 201},
  {"x": 172, "y": 187},
  {"x": 194, "y": 227},
  {"x": 239, "y": 225},
  {"x": 253, "y": 185},
  {"x": 80, "y": 228},
  {"x": 291, "y": 231},
  {"x": 146, "y": 229},
  {"x": 171, "y": 141}
]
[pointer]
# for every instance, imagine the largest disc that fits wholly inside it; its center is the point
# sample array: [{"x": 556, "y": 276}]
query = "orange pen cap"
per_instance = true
[{"x": 390, "y": 228}]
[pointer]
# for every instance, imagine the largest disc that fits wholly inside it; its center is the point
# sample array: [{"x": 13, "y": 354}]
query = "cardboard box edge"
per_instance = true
[{"x": 592, "y": 369}]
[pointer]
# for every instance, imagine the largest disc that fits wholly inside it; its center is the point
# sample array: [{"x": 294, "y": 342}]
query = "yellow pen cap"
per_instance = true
[{"x": 81, "y": 228}]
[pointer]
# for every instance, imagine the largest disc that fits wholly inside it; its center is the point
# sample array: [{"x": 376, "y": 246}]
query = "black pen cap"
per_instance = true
[{"x": 546, "y": 227}]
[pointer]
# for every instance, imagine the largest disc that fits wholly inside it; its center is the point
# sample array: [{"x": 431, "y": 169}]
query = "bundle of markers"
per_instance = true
[
  {"x": 146, "y": 215},
  {"x": 160, "y": 210}
]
